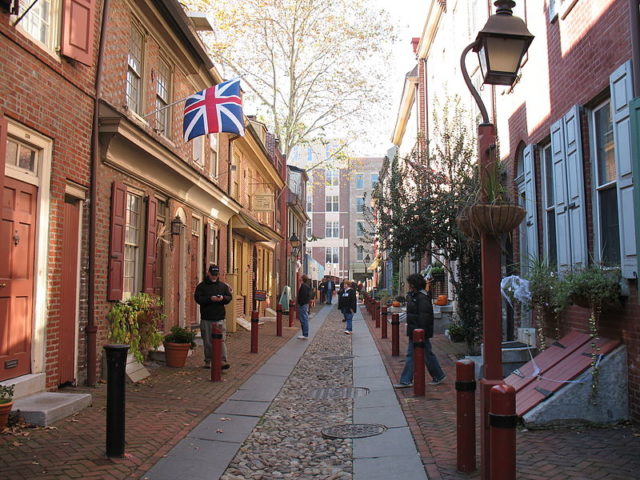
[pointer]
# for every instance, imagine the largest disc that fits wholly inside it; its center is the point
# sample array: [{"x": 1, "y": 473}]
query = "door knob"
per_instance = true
[{"x": 3, "y": 285}]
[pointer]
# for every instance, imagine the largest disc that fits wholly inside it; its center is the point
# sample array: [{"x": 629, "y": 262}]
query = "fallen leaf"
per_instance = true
[
  {"x": 219, "y": 430},
  {"x": 224, "y": 419}
]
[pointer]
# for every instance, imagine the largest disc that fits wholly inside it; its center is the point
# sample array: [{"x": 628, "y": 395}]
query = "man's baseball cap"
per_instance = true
[{"x": 214, "y": 270}]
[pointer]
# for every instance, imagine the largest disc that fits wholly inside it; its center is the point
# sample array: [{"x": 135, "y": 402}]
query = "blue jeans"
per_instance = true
[
  {"x": 304, "y": 319},
  {"x": 348, "y": 316},
  {"x": 329, "y": 295},
  {"x": 430, "y": 360}
]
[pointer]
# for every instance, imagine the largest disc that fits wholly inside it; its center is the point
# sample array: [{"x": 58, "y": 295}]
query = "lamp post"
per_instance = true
[
  {"x": 500, "y": 46},
  {"x": 367, "y": 259},
  {"x": 295, "y": 243}
]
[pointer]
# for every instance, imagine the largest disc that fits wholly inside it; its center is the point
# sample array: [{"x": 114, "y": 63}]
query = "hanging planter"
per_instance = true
[
  {"x": 464, "y": 225},
  {"x": 495, "y": 219}
]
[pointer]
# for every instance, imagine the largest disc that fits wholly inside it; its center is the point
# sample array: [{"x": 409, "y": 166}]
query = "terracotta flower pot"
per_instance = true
[
  {"x": 496, "y": 219},
  {"x": 5, "y": 409},
  {"x": 176, "y": 354}
]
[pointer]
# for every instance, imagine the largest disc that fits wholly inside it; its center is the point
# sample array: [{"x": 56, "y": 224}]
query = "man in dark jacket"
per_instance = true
[
  {"x": 330, "y": 287},
  {"x": 348, "y": 303},
  {"x": 304, "y": 297},
  {"x": 419, "y": 315},
  {"x": 212, "y": 295}
]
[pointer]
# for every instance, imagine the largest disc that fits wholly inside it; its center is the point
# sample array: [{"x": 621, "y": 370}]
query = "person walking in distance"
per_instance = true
[
  {"x": 419, "y": 315},
  {"x": 330, "y": 287},
  {"x": 347, "y": 303},
  {"x": 304, "y": 297},
  {"x": 212, "y": 295}
]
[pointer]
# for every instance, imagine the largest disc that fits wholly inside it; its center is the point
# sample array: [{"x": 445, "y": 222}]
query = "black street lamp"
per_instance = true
[
  {"x": 500, "y": 45},
  {"x": 295, "y": 245}
]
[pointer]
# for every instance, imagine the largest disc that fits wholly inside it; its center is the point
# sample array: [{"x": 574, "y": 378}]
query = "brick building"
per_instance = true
[
  {"x": 566, "y": 129},
  {"x": 47, "y": 102}
]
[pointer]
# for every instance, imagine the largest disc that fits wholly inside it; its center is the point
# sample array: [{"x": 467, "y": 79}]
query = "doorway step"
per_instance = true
[{"x": 45, "y": 408}]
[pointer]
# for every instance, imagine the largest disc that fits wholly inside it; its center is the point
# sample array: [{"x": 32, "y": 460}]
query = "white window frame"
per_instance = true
[
  {"x": 332, "y": 203},
  {"x": 359, "y": 181},
  {"x": 375, "y": 176},
  {"x": 549, "y": 210},
  {"x": 135, "y": 71},
  {"x": 332, "y": 178},
  {"x": 164, "y": 87},
  {"x": 133, "y": 245},
  {"x": 359, "y": 204},
  {"x": 197, "y": 150},
  {"x": 33, "y": 20},
  {"x": 360, "y": 253},
  {"x": 333, "y": 253},
  {"x": 360, "y": 231},
  {"x": 331, "y": 229},
  {"x": 214, "y": 144}
]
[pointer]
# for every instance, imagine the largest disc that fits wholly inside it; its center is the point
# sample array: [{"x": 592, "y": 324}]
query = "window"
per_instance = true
[
  {"x": 360, "y": 253},
  {"x": 332, "y": 255},
  {"x": 331, "y": 203},
  {"x": 309, "y": 203},
  {"x": 41, "y": 22},
  {"x": 213, "y": 152},
  {"x": 559, "y": 8},
  {"x": 607, "y": 194},
  {"x": 360, "y": 205},
  {"x": 360, "y": 229},
  {"x": 134, "y": 71},
  {"x": 197, "y": 145},
  {"x": 332, "y": 230},
  {"x": 163, "y": 98},
  {"x": 359, "y": 180},
  {"x": 309, "y": 154},
  {"x": 21, "y": 156},
  {"x": 550, "y": 247},
  {"x": 332, "y": 178},
  {"x": 374, "y": 180},
  {"x": 309, "y": 230},
  {"x": 132, "y": 245}
]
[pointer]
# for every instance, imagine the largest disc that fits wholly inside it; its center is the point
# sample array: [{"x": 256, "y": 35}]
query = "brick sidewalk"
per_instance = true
[
  {"x": 160, "y": 411},
  {"x": 559, "y": 454}
]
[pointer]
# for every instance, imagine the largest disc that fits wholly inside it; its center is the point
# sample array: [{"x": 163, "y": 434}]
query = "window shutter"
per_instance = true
[
  {"x": 78, "y": 21},
  {"x": 563, "y": 241},
  {"x": 621, "y": 95},
  {"x": 208, "y": 231},
  {"x": 634, "y": 106},
  {"x": 575, "y": 187},
  {"x": 3, "y": 150},
  {"x": 150, "y": 245},
  {"x": 530, "y": 197},
  {"x": 116, "y": 250}
]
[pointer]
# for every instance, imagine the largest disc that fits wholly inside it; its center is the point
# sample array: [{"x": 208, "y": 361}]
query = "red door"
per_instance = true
[
  {"x": 17, "y": 237},
  {"x": 67, "y": 347}
]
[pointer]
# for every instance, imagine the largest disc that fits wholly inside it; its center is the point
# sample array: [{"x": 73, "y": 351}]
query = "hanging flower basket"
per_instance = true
[
  {"x": 464, "y": 225},
  {"x": 496, "y": 219}
]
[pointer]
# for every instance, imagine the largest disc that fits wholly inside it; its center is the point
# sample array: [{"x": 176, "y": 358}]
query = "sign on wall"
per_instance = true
[
  {"x": 263, "y": 202},
  {"x": 260, "y": 295}
]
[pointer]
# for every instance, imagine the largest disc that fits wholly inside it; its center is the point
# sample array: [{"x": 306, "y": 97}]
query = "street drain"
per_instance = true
[
  {"x": 335, "y": 393},
  {"x": 353, "y": 430},
  {"x": 338, "y": 357}
]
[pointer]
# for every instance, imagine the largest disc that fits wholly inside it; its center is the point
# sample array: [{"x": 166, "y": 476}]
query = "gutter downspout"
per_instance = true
[
  {"x": 634, "y": 18},
  {"x": 92, "y": 328}
]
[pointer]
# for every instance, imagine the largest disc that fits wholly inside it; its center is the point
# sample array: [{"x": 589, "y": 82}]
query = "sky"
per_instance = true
[{"x": 409, "y": 17}]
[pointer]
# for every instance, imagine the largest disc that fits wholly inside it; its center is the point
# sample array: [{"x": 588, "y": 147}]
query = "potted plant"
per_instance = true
[
  {"x": 177, "y": 345},
  {"x": 456, "y": 332},
  {"x": 6, "y": 403},
  {"x": 437, "y": 274},
  {"x": 135, "y": 322},
  {"x": 494, "y": 214}
]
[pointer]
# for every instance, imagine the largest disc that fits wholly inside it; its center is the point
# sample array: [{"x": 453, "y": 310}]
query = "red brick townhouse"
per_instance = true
[
  {"x": 568, "y": 133},
  {"x": 47, "y": 99}
]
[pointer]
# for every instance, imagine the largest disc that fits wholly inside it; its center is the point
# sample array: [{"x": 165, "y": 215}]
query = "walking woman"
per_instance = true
[
  {"x": 419, "y": 315},
  {"x": 348, "y": 303}
]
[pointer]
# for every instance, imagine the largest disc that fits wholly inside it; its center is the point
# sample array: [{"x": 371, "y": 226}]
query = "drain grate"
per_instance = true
[
  {"x": 354, "y": 430},
  {"x": 334, "y": 393},
  {"x": 338, "y": 357}
]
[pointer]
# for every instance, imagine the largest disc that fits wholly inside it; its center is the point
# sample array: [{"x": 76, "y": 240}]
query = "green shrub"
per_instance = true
[{"x": 181, "y": 335}]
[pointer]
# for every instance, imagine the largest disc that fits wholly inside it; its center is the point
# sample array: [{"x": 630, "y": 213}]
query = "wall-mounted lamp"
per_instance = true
[
  {"x": 295, "y": 244},
  {"x": 176, "y": 228}
]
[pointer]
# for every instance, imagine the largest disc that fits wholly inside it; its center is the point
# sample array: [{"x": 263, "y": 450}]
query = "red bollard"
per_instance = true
[
  {"x": 395, "y": 334},
  {"x": 418, "y": 362},
  {"x": 278, "y": 320},
  {"x": 383, "y": 320},
  {"x": 216, "y": 354},
  {"x": 292, "y": 312},
  {"x": 254, "y": 331},
  {"x": 378, "y": 309},
  {"x": 466, "y": 415},
  {"x": 502, "y": 432}
]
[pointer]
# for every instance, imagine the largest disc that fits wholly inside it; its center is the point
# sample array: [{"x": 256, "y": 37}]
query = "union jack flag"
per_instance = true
[{"x": 216, "y": 109}]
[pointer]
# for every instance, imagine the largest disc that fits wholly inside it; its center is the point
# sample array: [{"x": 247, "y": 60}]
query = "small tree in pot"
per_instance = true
[
  {"x": 177, "y": 345},
  {"x": 6, "y": 403}
]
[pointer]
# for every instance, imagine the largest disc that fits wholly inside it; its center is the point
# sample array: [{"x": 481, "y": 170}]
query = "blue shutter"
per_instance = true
[
  {"x": 563, "y": 239},
  {"x": 530, "y": 219},
  {"x": 635, "y": 142},
  {"x": 621, "y": 95},
  {"x": 575, "y": 187}
]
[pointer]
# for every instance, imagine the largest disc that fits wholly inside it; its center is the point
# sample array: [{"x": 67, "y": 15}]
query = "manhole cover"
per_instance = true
[
  {"x": 344, "y": 392},
  {"x": 355, "y": 430},
  {"x": 338, "y": 357}
]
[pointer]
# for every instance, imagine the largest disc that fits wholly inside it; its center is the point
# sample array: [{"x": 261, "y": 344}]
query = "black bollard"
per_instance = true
[{"x": 116, "y": 364}]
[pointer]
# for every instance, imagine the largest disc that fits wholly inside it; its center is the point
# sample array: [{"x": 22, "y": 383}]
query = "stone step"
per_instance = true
[{"x": 45, "y": 408}]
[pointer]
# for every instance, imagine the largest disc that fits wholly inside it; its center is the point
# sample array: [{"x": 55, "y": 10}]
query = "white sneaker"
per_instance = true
[
  {"x": 302, "y": 337},
  {"x": 348, "y": 332}
]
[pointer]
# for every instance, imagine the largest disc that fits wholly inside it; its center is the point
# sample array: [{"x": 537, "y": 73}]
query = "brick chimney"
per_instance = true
[{"x": 414, "y": 43}]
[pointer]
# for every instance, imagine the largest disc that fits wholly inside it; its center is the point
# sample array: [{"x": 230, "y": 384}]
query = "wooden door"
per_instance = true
[
  {"x": 17, "y": 237},
  {"x": 194, "y": 270}
]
